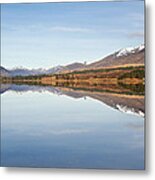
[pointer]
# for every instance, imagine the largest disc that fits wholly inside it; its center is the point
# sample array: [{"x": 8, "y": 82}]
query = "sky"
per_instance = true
[{"x": 50, "y": 34}]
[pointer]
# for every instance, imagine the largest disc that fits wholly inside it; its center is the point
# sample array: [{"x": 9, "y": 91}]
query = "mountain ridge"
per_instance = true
[{"x": 124, "y": 56}]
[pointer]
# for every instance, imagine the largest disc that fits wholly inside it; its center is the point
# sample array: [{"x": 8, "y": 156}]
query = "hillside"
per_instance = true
[
  {"x": 125, "y": 56},
  {"x": 121, "y": 57},
  {"x": 4, "y": 72},
  {"x": 73, "y": 67}
]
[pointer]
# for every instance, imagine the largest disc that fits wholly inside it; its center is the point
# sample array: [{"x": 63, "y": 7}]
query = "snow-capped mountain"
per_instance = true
[
  {"x": 21, "y": 71},
  {"x": 131, "y": 55},
  {"x": 129, "y": 50},
  {"x": 26, "y": 72},
  {"x": 125, "y": 56}
]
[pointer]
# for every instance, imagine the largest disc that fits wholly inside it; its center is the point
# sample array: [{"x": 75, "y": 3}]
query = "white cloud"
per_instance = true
[
  {"x": 41, "y": 28},
  {"x": 69, "y": 29}
]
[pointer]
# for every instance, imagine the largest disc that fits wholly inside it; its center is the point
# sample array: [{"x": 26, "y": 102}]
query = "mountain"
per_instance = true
[
  {"x": 4, "y": 72},
  {"x": 132, "y": 55},
  {"x": 21, "y": 72},
  {"x": 125, "y": 56},
  {"x": 73, "y": 67},
  {"x": 39, "y": 71}
]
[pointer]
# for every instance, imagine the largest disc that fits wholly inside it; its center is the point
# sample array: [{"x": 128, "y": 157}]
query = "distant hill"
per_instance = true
[
  {"x": 4, "y": 72},
  {"x": 32, "y": 72},
  {"x": 132, "y": 55},
  {"x": 73, "y": 67},
  {"x": 40, "y": 71}
]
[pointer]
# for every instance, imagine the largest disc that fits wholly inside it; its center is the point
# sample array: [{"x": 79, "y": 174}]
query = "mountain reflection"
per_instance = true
[{"x": 132, "y": 104}]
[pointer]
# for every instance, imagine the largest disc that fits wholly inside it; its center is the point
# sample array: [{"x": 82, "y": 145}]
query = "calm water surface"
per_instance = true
[{"x": 44, "y": 129}]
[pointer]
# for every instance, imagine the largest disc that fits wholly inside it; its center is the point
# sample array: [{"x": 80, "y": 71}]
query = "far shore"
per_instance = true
[{"x": 125, "y": 79}]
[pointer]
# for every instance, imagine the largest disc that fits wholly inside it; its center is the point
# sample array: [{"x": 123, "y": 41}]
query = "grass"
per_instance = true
[
  {"x": 139, "y": 73},
  {"x": 135, "y": 88},
  {"x": 103, "y": 70},
  {"x": 94, "y": 78}
]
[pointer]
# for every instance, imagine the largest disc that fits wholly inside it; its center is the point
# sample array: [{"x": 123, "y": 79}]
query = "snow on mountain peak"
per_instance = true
[
  {"x": 129, "y": 50},
  {"x": 128, "y": 110},
  {"x": 141, "y": 47},
  {"x": 125, "y": 51}
]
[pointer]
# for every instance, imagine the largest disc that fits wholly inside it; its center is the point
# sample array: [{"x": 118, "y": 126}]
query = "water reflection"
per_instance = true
[
  {"x": 132, "y": 104},
  {"x": 45, "y": 126}
]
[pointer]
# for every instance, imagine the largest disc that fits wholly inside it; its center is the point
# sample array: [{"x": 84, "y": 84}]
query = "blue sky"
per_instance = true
[{"x": 50, "y": 34}]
